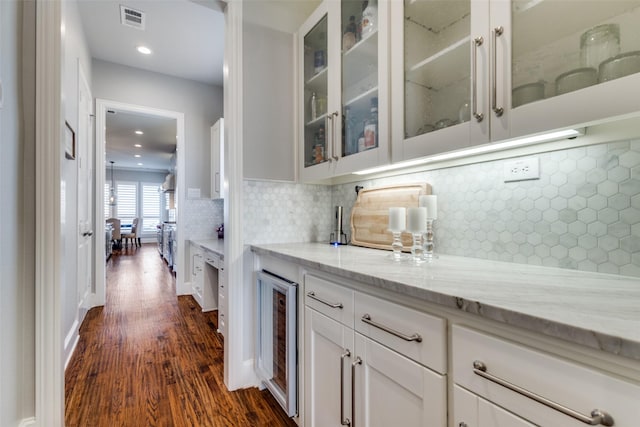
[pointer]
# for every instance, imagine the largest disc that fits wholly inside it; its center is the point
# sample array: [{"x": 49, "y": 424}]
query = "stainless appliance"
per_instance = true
[
  {"x": 168, "y": 235},
  {"x": 276, "y": 346},
  {"x": 338, "y": 236},
  {"x": 159, "y": 236}
]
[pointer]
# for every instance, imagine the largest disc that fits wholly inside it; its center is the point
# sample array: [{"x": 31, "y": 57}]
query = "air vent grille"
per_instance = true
[{"x": 132, "y": 17}]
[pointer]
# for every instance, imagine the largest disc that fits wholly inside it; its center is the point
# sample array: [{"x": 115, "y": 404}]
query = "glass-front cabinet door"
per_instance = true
[
  {"x": 573, "y": 62},
  {"x": 344, "y": 88},
  {"x": 432, "y": 87}
]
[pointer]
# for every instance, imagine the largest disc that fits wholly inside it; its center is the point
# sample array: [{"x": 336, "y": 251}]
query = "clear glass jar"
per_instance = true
[{"x": 599, "y": 44}]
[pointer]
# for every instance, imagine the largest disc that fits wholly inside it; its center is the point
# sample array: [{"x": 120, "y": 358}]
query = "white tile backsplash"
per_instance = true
[
  {"x": 583, "y": 213},
  {"x": 201, "y": 218}
]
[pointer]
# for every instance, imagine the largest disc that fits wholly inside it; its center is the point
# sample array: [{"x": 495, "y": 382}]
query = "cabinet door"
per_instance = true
[
  {"x": 328, "y": 357},
  {"x": 433, "y": 76},
  {"x": 472, "y": 411},
  {"x": 217, "y": 159},
  {"x": 392, "y": 390},
  {"x": 571, "y": 62},
  {"x": 319, "y": 75},
  {"x": 345, "y": 88}
]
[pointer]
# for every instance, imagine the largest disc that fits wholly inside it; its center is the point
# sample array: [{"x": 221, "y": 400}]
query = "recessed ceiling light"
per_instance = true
[
  {"x": 137, "y": 145},
  {"x": 144, "y": 50},
  {"x": 139, "y": 164},
  {"x": 139, "y": 132},
  {"x": 137, "y": 155}
]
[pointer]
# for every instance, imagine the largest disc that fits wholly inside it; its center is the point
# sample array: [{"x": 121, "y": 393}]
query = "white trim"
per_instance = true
[
  {"x": 102, "y": 105},
  {"x": 49, "y": 374},
  {"x": 72, "y": 337},
  {"x": 238, "y": 371}
]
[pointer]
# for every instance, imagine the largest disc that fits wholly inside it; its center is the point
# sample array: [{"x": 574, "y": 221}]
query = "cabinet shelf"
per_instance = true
[
  {"x": 316, "y": 121},
  {"x": 435, "y": 18},
  {"x": 318, "y": 83},
  {"x": 361, "y": 101},
  {"x": 360, "y": 61},
  {"x": 446, "y": 66}
]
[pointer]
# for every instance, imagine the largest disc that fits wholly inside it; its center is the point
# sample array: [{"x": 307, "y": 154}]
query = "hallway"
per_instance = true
[{"x": 148, "y": 358}]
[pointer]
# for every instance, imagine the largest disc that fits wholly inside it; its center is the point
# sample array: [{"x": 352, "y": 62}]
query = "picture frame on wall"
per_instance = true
[{"x": 69, "y": 142}]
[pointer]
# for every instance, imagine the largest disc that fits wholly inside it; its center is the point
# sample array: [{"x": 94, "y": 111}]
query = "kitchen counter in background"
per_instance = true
[
  {"x": 213, "y": 245},
  {"x": 591, "y": 309}
]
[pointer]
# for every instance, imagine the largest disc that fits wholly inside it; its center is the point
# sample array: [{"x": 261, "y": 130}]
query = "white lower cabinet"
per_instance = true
[
  {"x": 350, "y": 379},
  {"x": 542, "y": 388},
  {"x": 391, "y": 390},
  {"x": 473, "y": 411},
  {"x": 328, "y": 348}
]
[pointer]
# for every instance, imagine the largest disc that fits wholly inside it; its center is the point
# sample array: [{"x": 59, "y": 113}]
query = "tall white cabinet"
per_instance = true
[{"x": 217, "y": 159}]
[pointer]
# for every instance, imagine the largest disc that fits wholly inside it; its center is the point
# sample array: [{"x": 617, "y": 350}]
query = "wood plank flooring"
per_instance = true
[{"x": 149, "y": 358}]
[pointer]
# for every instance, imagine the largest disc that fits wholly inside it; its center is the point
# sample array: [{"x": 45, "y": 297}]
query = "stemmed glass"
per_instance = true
[{"x": 397, "y": 224}]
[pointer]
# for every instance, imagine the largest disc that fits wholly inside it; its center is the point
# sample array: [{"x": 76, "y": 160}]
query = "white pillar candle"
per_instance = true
[
  {"x": 417, "y": 220},
  {"x": 431, "y": 203},
  {"x": 397, "y": 219}
]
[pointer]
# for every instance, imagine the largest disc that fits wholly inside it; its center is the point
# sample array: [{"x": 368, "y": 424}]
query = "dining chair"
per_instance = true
[
  {"x": 116, "y": 237},
  {"x": 133, "y": 235}
]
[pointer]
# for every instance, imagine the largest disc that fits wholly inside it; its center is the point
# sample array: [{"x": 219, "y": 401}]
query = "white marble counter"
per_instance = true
[
  {"x": 215, "y": 245},
  {"x": 601, "y": 311}
]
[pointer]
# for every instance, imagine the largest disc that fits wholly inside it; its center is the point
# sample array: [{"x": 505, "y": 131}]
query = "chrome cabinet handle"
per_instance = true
[
  {"x": 334, "y": 150},
  {"x": 87, "y": 233},
  {"x": 415, "y": 337},
  {"x": 355, "y": 363},
  {"x": 216, "y": 183},
  {"x": 597, "y": 416},
  {"x": 477, "y": 42},
  {"x": 497, "y": 32},
  {"x": 312, "y": 295},
  {"x": 328, "y": 135},
  {"x": 344, "y": 421}
]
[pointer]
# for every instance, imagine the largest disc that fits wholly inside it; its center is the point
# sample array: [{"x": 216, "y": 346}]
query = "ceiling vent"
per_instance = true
[{"x": 132, "y": 18}]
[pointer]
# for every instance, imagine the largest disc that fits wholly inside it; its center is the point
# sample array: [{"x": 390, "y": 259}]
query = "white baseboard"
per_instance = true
[
  {"x": 248, "y": 374},
  {"x": 184, "y": 288},
  {"x": 28, "y": 422},
  {"x": 70, "y": 343}
]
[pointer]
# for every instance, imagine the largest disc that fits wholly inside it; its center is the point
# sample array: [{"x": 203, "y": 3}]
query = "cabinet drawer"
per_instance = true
[
  {"x": 211, "y": 258},
  {"x": 530, "y": 376},
  {"x": 330, "y": 299},
  {"x": 419, "y": 336}
]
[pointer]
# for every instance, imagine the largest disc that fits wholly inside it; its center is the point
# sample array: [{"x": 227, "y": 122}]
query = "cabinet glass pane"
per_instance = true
[
  {"x": 359, "y": 75},
  {"x": 315, "y": 94},
  {"x": 560, "y": 46},
  {"x": 437, "y": 65}
]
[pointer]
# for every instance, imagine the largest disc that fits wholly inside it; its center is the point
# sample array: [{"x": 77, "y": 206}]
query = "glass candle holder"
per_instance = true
[
  {"x": 397, "y": 246},
  {"x": 417, "y": 250},
  {"x": 428, "y": 242}
]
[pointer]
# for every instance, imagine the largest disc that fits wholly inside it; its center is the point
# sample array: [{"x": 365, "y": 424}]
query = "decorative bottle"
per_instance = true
[
  {"x": 369, "y": 18},
  {"x": 371, "y": 126}
]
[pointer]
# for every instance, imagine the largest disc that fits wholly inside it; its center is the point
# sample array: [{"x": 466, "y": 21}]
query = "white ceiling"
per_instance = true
[
  {"x": 158, "y": 140},
  {"x": 186, "y": 38}
]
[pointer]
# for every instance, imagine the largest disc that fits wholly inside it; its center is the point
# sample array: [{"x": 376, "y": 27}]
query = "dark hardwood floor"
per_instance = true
[{"x": 149, "y": 358}]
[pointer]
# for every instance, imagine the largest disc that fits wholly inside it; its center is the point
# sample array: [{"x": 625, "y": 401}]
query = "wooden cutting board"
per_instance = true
[{"x": 370, "y": 214}]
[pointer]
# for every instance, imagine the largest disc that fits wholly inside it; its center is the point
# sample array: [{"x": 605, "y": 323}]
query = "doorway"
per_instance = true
[{"x": 122, "y": 149}]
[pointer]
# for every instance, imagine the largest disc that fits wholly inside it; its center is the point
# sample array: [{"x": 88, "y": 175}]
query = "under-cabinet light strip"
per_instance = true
[{"x": 567, "y": 133}]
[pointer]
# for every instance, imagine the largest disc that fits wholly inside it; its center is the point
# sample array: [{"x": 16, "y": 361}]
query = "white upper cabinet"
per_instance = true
[
  {"x": 217, "y": 159},
  {"x": 469, "y": 72},
  {"x": 344, "y": 88}
]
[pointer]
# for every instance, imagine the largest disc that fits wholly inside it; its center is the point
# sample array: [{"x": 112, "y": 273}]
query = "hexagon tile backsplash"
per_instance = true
[{"x": 583, "y": 213}]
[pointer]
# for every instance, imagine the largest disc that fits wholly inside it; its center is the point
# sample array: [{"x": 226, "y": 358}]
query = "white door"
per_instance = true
[
  {"x": 86, "y": 228},
  {"x": 328, "y": 358},
  {"x": 392, "y": 390}
]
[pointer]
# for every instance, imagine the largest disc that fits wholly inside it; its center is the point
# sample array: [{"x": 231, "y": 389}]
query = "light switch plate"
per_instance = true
[{"x": 522, "y": 169}]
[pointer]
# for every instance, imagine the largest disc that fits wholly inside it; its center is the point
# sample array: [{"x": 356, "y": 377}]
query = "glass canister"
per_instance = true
[{"x": 599, "y": 44}]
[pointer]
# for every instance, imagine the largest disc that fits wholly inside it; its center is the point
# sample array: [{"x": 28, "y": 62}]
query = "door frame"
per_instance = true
[{"x": 102, "y": 105}]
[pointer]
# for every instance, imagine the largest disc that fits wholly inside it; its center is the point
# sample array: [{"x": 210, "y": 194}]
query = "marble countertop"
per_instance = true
[
  {"x": 596, "y": 310},
  {"x": 213, "y": 245}
]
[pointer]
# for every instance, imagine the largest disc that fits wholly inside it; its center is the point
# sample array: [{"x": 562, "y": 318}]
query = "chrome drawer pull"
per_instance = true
[
  {"x": 312, "y": 295},
  {"x": 415, "y": 337},
  {"x": 344, "y": 421},
  {"x": 598, "y": 417}
]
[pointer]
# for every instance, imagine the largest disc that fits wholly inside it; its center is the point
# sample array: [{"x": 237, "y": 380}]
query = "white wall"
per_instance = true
[
  {"x": 268, "y": 107},
  {"x": 17, "y": 247},
  {"x": 201, "y": 104},
  {"x": 76, "y": 52}
]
